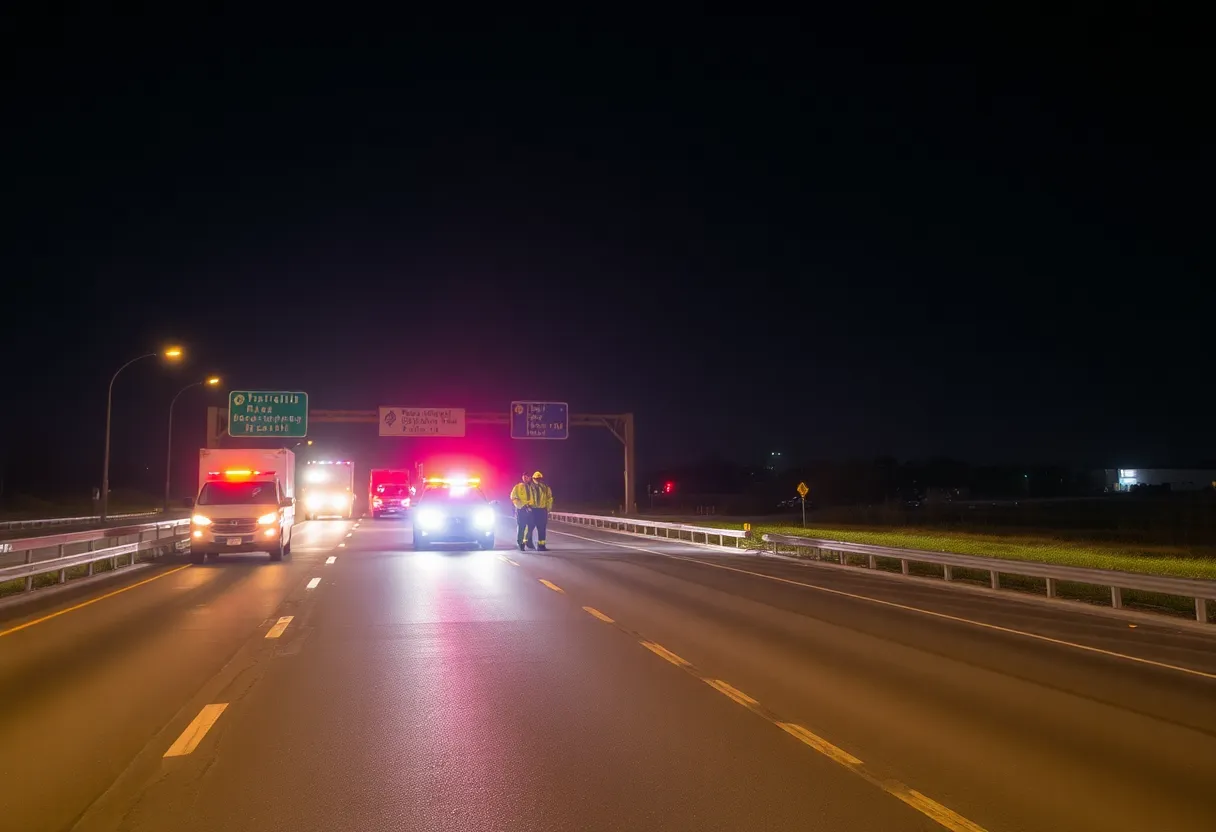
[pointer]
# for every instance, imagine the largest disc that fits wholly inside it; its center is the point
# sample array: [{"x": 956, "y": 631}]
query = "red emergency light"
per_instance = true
[
  {"x": 238, "y": 473},
  {"x": 458, "y": 481},
  {"x": 669, "y": 487}
]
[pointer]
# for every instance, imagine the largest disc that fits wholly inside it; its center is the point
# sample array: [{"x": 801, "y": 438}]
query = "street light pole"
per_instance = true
[
  {"x": 105, "y": 466},
  {"x": 211, "y": 382},
  {"x": 172, "y": 353}
]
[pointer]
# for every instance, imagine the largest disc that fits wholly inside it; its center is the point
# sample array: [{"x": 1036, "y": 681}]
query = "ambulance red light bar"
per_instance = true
[
  {"x": 329, "y": 462},
  {"x": 238, "y": 474}
]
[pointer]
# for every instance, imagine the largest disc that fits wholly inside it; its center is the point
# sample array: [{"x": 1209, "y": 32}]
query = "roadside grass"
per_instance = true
[{"x": 1170, "y": 561}]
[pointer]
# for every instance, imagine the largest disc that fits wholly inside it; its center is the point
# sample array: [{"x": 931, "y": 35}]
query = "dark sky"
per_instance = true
[{"x": 974, "y": 237}]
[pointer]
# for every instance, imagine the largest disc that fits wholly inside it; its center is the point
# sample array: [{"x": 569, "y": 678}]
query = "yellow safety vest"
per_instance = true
[
  {"x": 544, "y": 497},
  {"x": 521, "y": 495}
]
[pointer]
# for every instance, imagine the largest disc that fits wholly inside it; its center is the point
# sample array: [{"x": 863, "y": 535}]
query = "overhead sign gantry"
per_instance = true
[{"x": 526, "y": 420}]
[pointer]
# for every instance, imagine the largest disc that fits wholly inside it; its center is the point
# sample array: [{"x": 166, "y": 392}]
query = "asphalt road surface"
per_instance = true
[{"x": 611, "y": 683}]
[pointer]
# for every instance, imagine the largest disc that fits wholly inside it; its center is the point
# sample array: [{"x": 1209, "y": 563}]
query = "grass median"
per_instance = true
[{"x": 1153, "y": 560}]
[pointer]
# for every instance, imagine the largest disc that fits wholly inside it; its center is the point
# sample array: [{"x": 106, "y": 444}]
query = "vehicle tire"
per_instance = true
[
  {"x": 276, "y": 554},
  {"x": 308, "y": 516},
  {"x": 375, "y": 515},
  {"x": 198, "y": 557},
  {"x": 287, "y": 548},
  {"x": 420, "y": 546}
]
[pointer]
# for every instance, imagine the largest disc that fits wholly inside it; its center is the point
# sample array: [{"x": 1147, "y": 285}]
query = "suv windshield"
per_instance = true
[
  {"x": 393, "y": 491},
  {"x": 237, "y": 494}
]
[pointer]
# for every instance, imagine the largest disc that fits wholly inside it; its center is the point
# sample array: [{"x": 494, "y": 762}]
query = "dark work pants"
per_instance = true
[
  {"x": 523, "y": 525},
  {"x": 540, "y": 521}
]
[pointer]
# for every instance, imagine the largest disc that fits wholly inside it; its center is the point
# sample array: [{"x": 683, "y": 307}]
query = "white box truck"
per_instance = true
[
  {"x": 245, "y": 502},
  {"x": 328, "y": 489}
]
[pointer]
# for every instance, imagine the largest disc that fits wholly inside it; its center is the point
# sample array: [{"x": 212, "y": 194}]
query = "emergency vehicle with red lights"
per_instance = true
[
  {"x": 389, "y": 492},
  {"x": 245, "y": 502},
  {"x": 454, "y": 509}
]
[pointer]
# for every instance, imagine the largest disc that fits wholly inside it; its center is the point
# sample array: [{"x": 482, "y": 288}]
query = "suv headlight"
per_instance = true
[
  {"x": 268, "y": 519},
  {"x": 200, "y": 520},
  {"x": 428, "y": 518},
  {"x": 483, "y": 518}
]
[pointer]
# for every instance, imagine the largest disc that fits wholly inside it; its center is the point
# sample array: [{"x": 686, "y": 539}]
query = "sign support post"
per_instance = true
[{"x": 802, "y": 492}]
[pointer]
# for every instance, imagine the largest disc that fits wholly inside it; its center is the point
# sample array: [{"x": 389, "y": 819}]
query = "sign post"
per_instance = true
[
  {"x": 263, "y": 413},
  {"x": 802, "y": 492},
  {"x": 422, "y": 421},
  {"x": 540, "y": 420}
]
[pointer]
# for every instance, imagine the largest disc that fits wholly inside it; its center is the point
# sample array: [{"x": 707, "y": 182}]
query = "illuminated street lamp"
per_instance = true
[
  {"x": 169, "y": 354},
  {"x": 213, "y": 381}
]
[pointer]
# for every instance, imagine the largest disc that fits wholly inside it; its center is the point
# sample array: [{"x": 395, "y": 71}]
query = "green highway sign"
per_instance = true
[{"x": 267, "y": 413}]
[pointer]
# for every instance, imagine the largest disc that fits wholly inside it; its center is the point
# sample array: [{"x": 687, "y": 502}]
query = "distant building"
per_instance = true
[{"x": 1172, "y": 479}]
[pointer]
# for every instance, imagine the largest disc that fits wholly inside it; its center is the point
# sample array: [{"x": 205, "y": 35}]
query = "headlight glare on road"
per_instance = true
[
  {"x": 428, "y": 518},
  {"x": 484, "y": 518},
  {"x": 200, "y": 520},
  {"x": 268, "y": 519}
]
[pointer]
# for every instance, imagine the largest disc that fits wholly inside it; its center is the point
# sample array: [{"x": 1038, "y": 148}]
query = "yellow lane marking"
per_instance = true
[
  {"x": 331, "y": 559},
  {"x": 196, "y": 730},
  {"x": 662, "y": 652},
  {"x": 552, "y": 586},
  {"x": 313, "y": 583},
  {"x": 350, "y": 534},
  {"x": 513, "y": 563},
  {"x": 930, "y": 808},
  {"x": 731, "y": 692},
  {"x": 83, "y": 604},
  {"x": 821, "y": 745},
  {"x": 907, "y": 608},
  {"x": 599, "y": 615},
  {"x": 279, "y": 626},
  {"x": 341, "y": 545}
]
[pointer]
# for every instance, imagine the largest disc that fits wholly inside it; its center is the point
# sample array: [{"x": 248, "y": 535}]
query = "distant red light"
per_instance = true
[{"x": 669, "y": 487}]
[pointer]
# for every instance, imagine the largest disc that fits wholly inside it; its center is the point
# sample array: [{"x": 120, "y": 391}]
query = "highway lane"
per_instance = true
[
  {"x": 1012, "y": 731},
  {"x": 486, "y": 690},
  {"x": 456, "y": 691},
  {"x": 84, "y": 688}
]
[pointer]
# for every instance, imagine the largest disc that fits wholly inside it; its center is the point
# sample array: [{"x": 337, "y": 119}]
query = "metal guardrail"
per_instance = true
[
  {"x": 71, "y": 521},
  {"x": 652, "y": 528},
  {"x": 32, "y": 556},
  {"x": 1199, "y": 590}
]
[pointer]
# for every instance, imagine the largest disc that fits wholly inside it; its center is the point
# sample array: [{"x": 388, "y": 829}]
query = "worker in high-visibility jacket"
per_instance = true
[
  {"x": 523, "y": 497},
  {"x": 540, "y": 509}
]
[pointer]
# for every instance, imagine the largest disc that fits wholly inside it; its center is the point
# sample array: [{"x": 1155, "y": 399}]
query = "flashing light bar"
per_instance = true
[
  {"x": 329, "y": 462},
  {"x": 453, "y": 481},
  {"x": 239, "y": 472}
]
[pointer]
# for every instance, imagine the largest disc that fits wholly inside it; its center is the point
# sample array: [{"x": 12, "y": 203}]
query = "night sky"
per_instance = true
[{"x": 972, "y": 237}]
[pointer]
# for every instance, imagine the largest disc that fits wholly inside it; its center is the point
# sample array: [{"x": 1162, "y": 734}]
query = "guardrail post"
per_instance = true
[
  {"x": 996, "y": 579},
  {"x": 29, "y": 579},
  {"x": 873, "y": 562},
  {"x": 903, "y": 566},
  {"x": 947, "y": 572},
  {"x": 1201, "y": 610},
  {"x": 843, "y": 560},
  {"x": 1116, "y": 598},
  {"x": 1051, "y": 587},
  {"x": 63, "y": 573}
]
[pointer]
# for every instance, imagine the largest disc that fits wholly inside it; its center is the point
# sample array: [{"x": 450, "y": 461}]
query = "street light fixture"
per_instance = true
[
  {"x": 210, "y": 382},
  {"x": 169, "y": 354}
]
